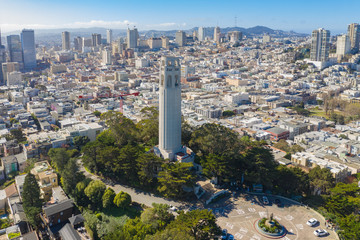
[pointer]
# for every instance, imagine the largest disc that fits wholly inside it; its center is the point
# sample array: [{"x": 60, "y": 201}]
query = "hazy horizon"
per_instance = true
[{"x": 302, "y": 17}]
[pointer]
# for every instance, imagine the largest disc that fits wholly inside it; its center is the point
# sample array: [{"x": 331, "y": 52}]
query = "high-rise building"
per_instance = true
[
  {"x": 28, "y": 48},
  {"x": 2, "y": 60},
  {"x": 65, "y": 40},
  {"x": 180, "y": 38},
  {"x": 343, "y": 45},
  {"x": 96, "y": 39},
  {"x": 15, "y": 49},
  {"x": 266, "y": 38},
  {"x": 78, "y": 44},
  {"x": 132, "y": 38},
  {"x": 320, "y": 45},
  {"x": 109, "y": 36},
  {"x": 165, "y": 42},
  {"x": 9, "y": 67},
  {"x": 235, "y": 36},
  {"x": 169, "y": 107},
  {"x": 217, "y": 34},
  {"x": 354, "y": 35},
  {"x": 201, "y": 34},
  {"x": 106, "y": 57}
]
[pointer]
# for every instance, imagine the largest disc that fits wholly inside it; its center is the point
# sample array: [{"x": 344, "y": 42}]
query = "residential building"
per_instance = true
[
  {"x": 343, "y": 46},
  {"x": 278, "y": 133},
  {"x": 235, "y": 36},
  {"x": 9, "y": 67},
  {"x": 320, "y": 45},
  {"x": 180, "y": 38},
  {"x": 96, "y": 39},
  {"x": 56, "y": 214},
  {"x": 266, "y": 38},
  {"x": 201, "y": 34},
  {"x": 354, "y": 35},
  {"x": 217, "y": 34}
]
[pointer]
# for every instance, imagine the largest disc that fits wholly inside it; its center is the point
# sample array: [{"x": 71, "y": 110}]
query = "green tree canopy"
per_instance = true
[
  {"x": 108, "y": 198},
  {"x": 200, "y": 224},
  {"x": 31, "y": 200},
  {"x": 174, "y": 177},
  {"x": 122, "y": 200},
  {"x": 94, "y": 191},
  {"x": 321, "y": 180}
]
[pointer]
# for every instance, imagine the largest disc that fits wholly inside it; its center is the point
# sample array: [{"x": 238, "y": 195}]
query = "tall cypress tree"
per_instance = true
[{"x": 31, "y": 200}]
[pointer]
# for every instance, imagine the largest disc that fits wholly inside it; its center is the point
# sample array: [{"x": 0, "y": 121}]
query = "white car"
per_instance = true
[
  {"x": 172, "y": 208},
  {"x": 320, "y": 232},
  {"x": 265, "y": 200},
  {"x": 312, "y": 222}
]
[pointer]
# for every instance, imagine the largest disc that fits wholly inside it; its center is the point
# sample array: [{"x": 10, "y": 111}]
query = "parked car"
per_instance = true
[
  {"x": 224, "y": 234},
  {"x": 172, "y": 208},
  {"x": 278, "y": 202},
  {"x": 312, "y": 222},
  {"x": 320, "y": 232},
  {"x": 265, "y": 200}
]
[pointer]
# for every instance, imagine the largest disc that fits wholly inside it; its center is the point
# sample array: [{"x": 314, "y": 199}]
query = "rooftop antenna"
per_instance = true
[{"x": 235, "y": 21}]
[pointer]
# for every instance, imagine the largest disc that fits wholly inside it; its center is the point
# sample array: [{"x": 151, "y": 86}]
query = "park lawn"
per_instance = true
[
  {"x": 119, "y": 213},
  {"x": 321, "y": 113},
  {"x": 110, "y": 220}
]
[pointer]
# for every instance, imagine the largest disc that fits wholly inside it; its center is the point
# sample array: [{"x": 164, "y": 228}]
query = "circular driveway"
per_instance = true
[{"x": 239, "y": 217}]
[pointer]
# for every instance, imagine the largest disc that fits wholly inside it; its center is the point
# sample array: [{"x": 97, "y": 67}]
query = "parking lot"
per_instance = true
[{"x": 239, "y": 217}]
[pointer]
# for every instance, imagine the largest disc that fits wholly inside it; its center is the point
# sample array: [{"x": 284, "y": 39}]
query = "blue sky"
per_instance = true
[{"x": 299, "y": 15}]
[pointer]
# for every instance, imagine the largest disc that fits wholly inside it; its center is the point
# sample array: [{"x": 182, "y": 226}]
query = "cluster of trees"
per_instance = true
[
  {"x": 16, "y": 134},
  {"x": 300, "y": 109},
  {"x": 119, "y": 154},
  {"x": 94, "y": 195},
  {"x": 158, "y": 223},
  {"x": 341, "y": 205},
  {"x": 283, "y": 145}
]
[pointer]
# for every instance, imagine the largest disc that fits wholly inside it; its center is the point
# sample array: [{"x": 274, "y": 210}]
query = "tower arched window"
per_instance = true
[
  {"x": 169, "y": 81},
  {"x": 176, "y": 80}
]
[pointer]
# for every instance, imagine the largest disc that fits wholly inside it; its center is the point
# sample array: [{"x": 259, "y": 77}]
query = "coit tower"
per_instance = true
[{"x": 169, "y": 107}]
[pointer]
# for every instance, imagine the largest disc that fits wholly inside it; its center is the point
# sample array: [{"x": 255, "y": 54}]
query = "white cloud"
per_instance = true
[
  {"x": 6, "y": 27},
  {"x": 101, "y": 23}
]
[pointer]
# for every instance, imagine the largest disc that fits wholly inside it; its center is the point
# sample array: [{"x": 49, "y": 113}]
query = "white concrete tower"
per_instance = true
[{"x": 169, "y": 107}]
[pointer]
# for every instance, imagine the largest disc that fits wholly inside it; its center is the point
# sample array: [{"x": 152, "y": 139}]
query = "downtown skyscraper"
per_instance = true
[
  {"x": 132, "y": 38},
  {"x": 65, "y": 41},
  {"x": 28, "y": 48}
]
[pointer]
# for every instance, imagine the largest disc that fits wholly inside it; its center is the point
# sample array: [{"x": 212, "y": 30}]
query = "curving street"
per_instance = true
[{"x": 136, "y": 195}]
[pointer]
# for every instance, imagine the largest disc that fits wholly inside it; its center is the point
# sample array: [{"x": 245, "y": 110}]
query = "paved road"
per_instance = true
[{"x": 136, "y": 195}]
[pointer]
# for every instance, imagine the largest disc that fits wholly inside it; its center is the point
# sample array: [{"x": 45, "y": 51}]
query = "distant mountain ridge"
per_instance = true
[{"x": 55, "y": 34}]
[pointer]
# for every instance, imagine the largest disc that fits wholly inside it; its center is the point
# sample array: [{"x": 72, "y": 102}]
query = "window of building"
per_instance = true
[{"x": 169, "y": 81}]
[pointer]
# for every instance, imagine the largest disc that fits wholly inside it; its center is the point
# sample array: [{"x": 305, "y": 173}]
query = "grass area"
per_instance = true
[
  {"x": 110, "y": 219},
  {"x": 321, "y": 113}
]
